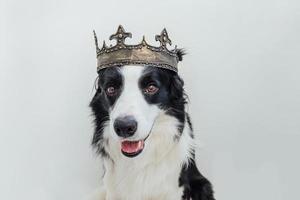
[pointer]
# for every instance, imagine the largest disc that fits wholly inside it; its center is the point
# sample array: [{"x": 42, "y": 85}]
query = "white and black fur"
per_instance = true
[{"x": 165, "y": 169}]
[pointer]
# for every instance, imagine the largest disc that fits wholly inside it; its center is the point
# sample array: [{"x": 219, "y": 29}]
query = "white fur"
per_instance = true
[{"x": 154, "y": 174}]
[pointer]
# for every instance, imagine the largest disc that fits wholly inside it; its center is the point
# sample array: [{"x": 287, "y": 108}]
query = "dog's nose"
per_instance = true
[{"x": 125, "y": 126}]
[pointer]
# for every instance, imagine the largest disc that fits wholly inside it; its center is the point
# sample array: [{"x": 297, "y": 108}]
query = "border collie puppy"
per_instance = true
[{"x": 144, "y": 136}]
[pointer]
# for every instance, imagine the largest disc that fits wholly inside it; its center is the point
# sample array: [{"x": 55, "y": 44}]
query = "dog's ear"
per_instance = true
[
  {"x": 176, "y": 89},
  {"x": 97, "y": 87},
  {"x": 180, "y": 53}
]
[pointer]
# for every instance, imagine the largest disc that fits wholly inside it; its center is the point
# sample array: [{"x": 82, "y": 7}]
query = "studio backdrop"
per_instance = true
[{"x": 241, "y": 74}]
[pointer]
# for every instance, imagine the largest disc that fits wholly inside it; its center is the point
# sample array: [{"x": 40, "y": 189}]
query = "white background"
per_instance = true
[{"x": 242, "y": 74}]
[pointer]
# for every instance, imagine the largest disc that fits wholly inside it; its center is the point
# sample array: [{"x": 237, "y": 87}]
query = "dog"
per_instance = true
[{"x": 144, "y": 136}]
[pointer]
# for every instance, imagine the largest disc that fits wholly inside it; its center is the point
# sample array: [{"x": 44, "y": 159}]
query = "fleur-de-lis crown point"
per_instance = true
[
  {"x": 163, "y": 38},
  {"x": 120, "y": 35}
]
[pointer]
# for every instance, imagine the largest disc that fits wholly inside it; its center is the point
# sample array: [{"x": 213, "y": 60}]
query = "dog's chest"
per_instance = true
[{"x": 153, "y": 182}]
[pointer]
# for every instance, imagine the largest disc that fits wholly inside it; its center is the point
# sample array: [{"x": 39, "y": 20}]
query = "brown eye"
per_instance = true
[
  {"x": 110, "y": 91},
  {"x": 151, "y": 89}
]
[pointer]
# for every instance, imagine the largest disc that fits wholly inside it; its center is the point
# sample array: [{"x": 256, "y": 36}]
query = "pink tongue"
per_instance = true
[{"x": 132, "y": 146}]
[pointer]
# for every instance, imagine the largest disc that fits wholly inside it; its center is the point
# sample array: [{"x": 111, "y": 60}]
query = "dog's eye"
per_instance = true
[
  {"x": 111, "y": 91},
  {"x": 151, "y": 89}
]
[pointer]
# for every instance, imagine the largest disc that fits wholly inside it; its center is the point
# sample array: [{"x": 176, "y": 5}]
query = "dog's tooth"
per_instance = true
[{"x": 140, "y": 145}]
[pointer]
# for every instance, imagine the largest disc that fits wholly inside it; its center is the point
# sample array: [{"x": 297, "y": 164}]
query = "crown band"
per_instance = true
[{"x": 140, "y": 54}]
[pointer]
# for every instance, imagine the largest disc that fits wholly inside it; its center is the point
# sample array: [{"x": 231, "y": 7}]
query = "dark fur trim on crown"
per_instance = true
[{"x": 180, "y": 53}]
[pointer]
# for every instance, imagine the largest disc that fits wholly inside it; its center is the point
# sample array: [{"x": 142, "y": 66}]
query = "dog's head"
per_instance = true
[{"x": 135, "y": 105}]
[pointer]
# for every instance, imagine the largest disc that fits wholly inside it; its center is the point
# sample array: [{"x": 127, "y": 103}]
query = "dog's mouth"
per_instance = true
[{"x": 132, "y": 148}]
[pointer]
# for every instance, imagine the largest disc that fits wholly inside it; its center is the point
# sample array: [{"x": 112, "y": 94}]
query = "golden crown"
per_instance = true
[{"x": 140, "y": 54}]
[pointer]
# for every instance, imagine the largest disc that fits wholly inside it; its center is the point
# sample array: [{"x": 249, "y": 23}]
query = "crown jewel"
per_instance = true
[{"x": 140, "y": 54}]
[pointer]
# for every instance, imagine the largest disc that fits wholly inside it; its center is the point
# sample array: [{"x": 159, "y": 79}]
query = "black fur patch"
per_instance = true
[
  {"x": 188, "y": 119},
  {"x": 196, "y": 186}
]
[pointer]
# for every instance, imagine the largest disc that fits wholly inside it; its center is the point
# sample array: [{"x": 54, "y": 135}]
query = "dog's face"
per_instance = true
[{"x": 130, "y": 103}]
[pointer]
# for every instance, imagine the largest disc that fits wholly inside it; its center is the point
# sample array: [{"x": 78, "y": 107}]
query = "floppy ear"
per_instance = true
[
  {"x": 101, "y": 116},
  {"x": 177, "y": 98},
  {"x": 177, "y": 93}
]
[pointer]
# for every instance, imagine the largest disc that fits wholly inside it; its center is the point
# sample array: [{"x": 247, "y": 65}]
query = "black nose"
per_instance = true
[{"x": 125, "y": 126}]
